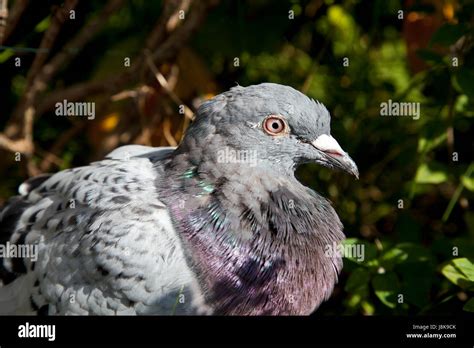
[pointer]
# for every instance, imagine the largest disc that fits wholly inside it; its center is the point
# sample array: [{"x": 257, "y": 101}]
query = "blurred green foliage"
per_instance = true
[{"x": 412, "y": 207}]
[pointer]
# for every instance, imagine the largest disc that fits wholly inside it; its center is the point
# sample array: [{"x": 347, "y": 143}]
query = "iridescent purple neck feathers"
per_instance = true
[{"x": 256, "y": 240}]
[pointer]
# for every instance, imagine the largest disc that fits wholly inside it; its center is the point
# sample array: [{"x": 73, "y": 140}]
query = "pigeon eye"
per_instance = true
[{"x": 275, "y": 125}]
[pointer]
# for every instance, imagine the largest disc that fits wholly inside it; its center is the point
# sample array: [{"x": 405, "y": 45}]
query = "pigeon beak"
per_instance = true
[{"x": 334, "y": 155}]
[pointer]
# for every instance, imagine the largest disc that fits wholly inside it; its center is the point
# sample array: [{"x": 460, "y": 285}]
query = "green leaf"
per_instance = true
[
  {"x": 469, "y": 306},
  {"x": 430, "y": 175},
  {"x": 464, "y": 82},
  {"x": 415, "y": 253},
  {"x": 359, "y": 251},
  {"x": 358, "y": 281},
  {"x": 386, "y": 288},
  {"x": 405, "y": 252},
  {"x": 448, "y": 34},
  {"x": 430, "y": 56},
  {"x": 463, "y": 106},
  {"x": 414, "y": 266},
  {"x": 5, "y": 55},
  {"x": 425, "y": 145},
  {"x": 453, "y": 274},
  {"x": 358, "y": 287},
  {"x": 380, "y": 211},
  {"x": 416, "y": 286},
  {"x": 353, "y": 301},
  {"x": 466, "y": 266},
  {"x": 468, "y": 183},
  {"x": 392, "y": 257},
  {"x": 368, "y": 308},
  {"x": 43, "y": 25},
  {"x": 460, "y": 272}
]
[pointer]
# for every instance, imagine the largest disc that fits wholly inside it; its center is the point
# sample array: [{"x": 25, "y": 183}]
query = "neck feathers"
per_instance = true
[{"x": 256, "y": 240}]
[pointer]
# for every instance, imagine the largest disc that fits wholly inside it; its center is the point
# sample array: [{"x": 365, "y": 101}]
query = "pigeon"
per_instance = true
[{"x": 219, "y": 225}]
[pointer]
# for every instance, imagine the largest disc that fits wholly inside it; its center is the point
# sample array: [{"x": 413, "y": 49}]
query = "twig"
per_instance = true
[
  {"x": 36, "y": 83},
  {"x": 33, "y": 170},
  {"x": 170, "y": 9},
  {"x": 182, "y": 33},
  {"x": 19, "y": 6},
  {"x": 164, "y": 84},
  {"x": 28, "y": 124},
  {"x": 45, "y": 164},
  {"x": 457, "y": 194},
  {"x": 450, "y": 130},
  {"x": 48, "y": 159},
  {"x": 21, "y": 145},
  {"x": 186, "y": 123},
  {"x": 25, "y": 145},
  {"x": 81, "y": 90},
  {"x": 115, "y": 83},
  {"x": 124, "y": 95},
  {"x": 175, "y": 18},
  {"x": 167, "y": 22},
  {"x": 79, "y": 41},
  {"x": 68, "y": 52},
  {"x": 58, "y": 18},
  {"x": 167, "y": 132},
  {"x": 3, "y": 18}
]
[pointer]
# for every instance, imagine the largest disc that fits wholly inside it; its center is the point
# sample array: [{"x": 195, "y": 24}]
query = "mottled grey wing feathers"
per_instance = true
[{"x": 105, "y": 244}]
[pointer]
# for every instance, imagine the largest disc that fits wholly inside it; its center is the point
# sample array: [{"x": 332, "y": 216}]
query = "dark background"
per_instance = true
[{"x": 411, "y": 208}]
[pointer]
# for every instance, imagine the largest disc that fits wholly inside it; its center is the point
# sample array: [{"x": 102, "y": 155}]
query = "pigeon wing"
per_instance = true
[{"x": 97, "y": 240}]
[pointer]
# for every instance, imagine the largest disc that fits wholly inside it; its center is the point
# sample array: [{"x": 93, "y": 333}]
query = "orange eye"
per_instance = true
[{"x": 274, "y": 125}]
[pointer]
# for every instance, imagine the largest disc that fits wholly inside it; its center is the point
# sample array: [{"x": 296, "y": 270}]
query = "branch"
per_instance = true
[
  {"x": 25, "y": 145},
  {"x": 35, "y": 82},
  {"x": 78, "y": 42},
  {"x": 3, "y": 18},
  {"x": 164, "y": 84},
  {"x": 20, "y": 145},
  {"x": 170, "y": 9},
  {"x": 161, "y": 53},
  {"x": 182, "y": 33},
  {"x": 51, "y": 157},
  {"x": 41, "y": 80},
  {"x": 81, "y": 90},
  {"x": 167, "y": 132},
  {"x": 19, "y": 7},
  {"x": 58, "y": 18},
  {"x": 48, "y": 159}
]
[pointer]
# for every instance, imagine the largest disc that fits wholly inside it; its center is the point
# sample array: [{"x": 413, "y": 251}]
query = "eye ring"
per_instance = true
[{"x": 275, "y": 125}]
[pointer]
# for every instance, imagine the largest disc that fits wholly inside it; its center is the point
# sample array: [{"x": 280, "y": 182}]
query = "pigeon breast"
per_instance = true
[{"x": 256, "y": 241}]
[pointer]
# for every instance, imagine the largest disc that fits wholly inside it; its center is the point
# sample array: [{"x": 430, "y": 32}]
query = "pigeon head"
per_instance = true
[{"x": 268, "y": 124}]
